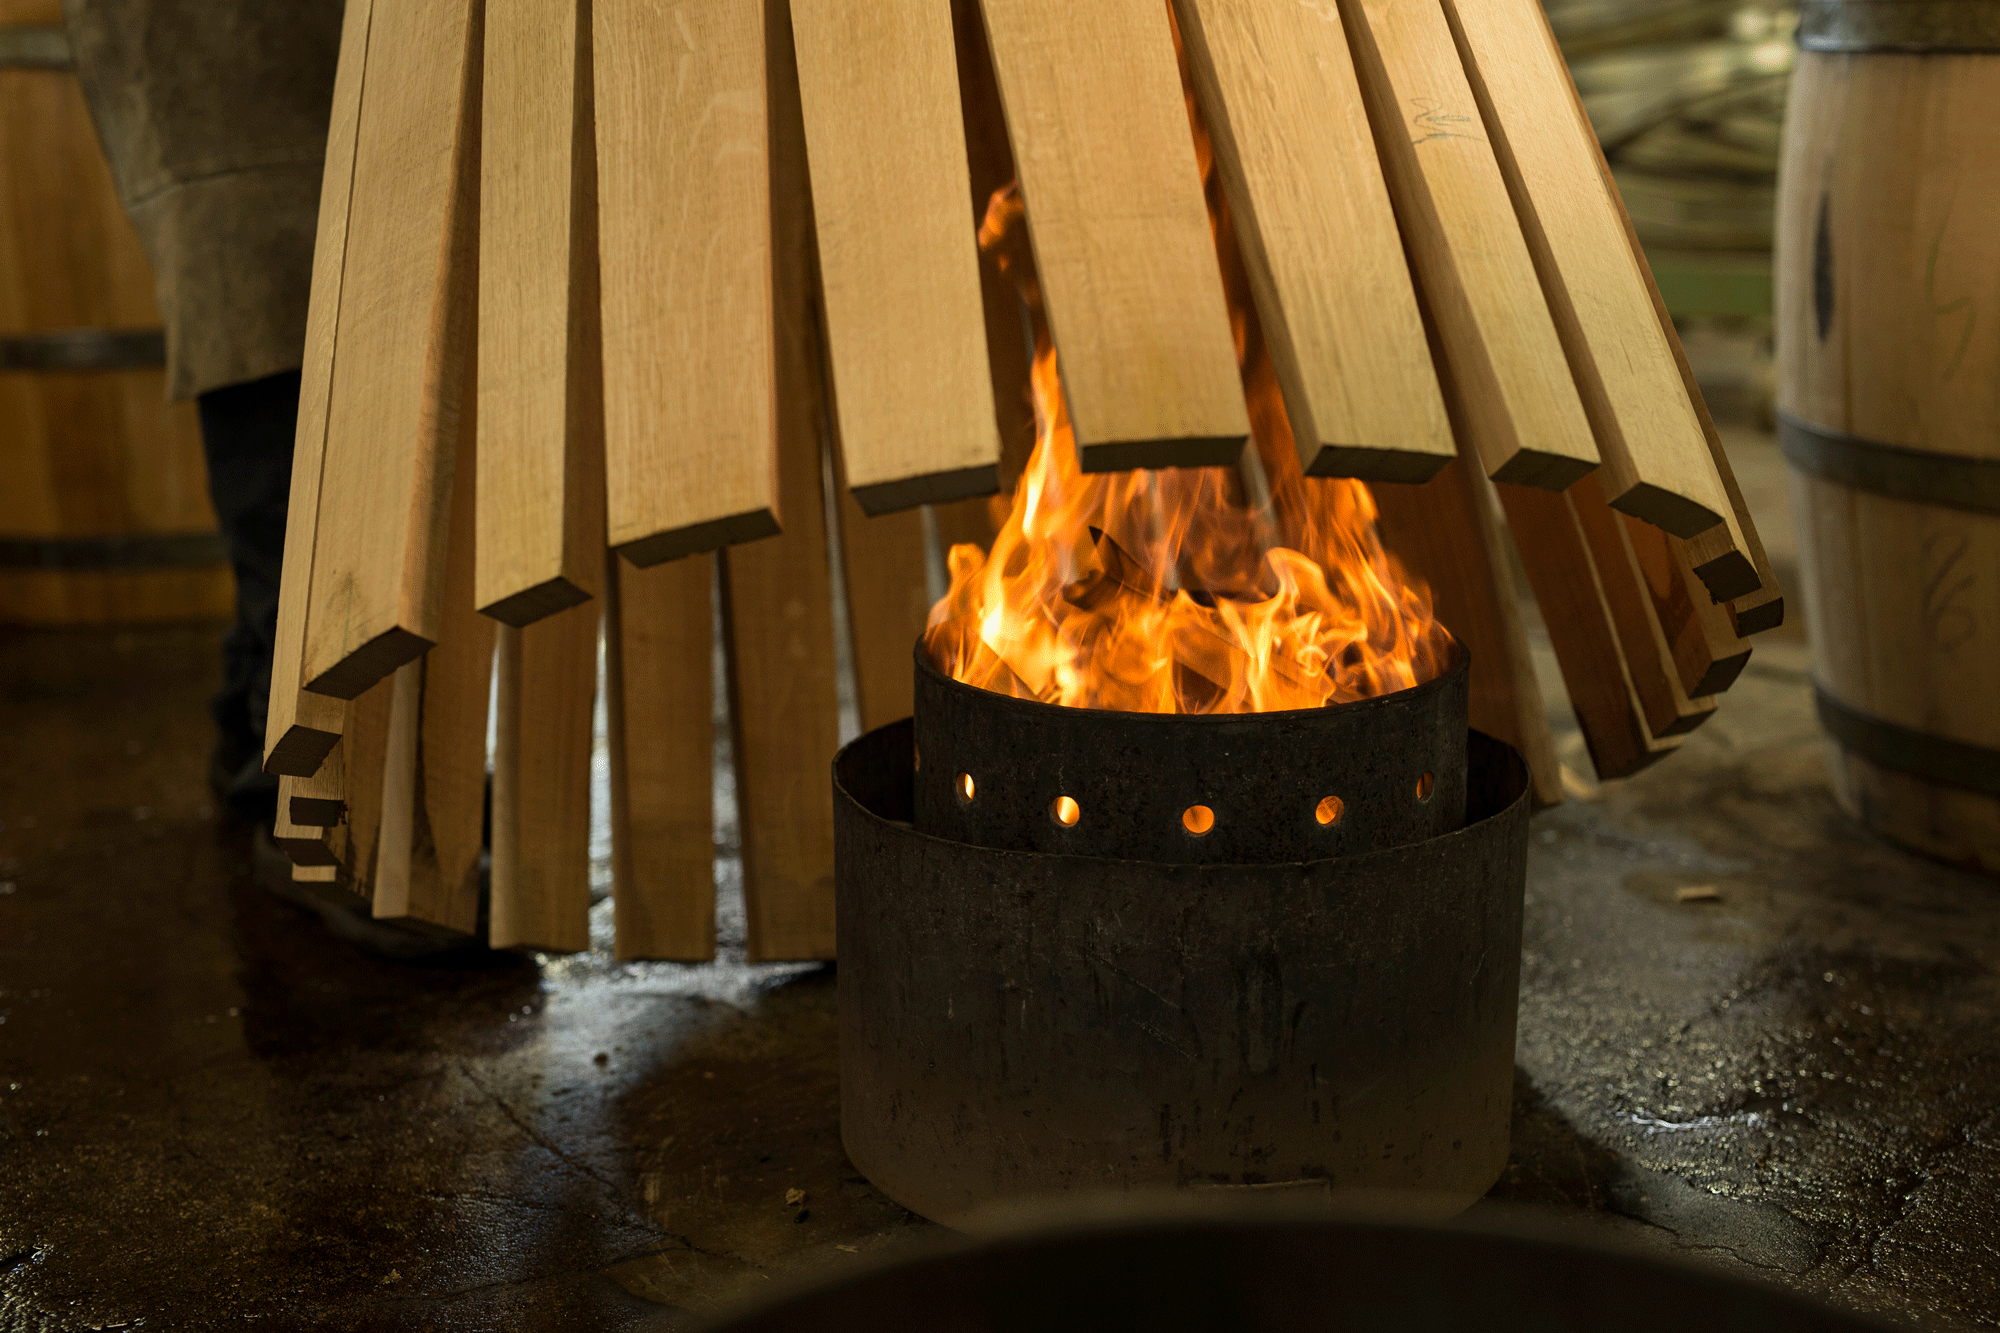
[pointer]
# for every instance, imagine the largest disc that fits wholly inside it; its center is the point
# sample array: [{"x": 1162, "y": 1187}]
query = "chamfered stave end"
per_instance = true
[
  {"x": 1183, "y": 451},
  {"x": 645, "y": 951},
  {"x": 1666, "y": 510},
  {"x": 697, "y": 538},
  {"x": 799, "y": 945},
  {"x": 305, "y": 852},
  {"x": 550, "y": 940},
  {"x": 342, "y": 888},
  {"x": 1544, "y": 471},
  {"x": 934, "y": 488},
  {"x": 537, "y": 603},
  {"x": 1410, "y": 467},
  {"x": 1685, "y": 723},
  {"x": 350, "y": 677},
  {"x": 1623, "y": 756},
  {"x": 314, "y": 862},
  {"x": 1721, "y": 674},
  {"x": 1758, "y": 616},
  {"x": 1729, "y": 576},
  {"x": 434, "y": 931},
  {"x": 300, "y": 751},
  {"x": 317, "y": 811}
]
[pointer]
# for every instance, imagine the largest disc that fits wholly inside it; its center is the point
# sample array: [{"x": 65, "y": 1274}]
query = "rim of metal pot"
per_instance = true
[
  {"x": 1505, "y": 753},
  {"x": 1460, "y": 664}
]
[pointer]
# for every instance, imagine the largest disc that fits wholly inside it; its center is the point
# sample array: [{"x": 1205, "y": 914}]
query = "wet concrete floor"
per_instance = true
[{"x": 212, "y": 1111}]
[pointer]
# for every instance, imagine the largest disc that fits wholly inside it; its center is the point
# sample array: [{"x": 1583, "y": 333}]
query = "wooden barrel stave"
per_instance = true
[{"x": 1888, "y": 305}]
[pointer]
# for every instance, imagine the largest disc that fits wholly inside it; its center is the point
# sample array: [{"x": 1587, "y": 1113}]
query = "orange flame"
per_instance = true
[{"x": 1176, "y": 591}]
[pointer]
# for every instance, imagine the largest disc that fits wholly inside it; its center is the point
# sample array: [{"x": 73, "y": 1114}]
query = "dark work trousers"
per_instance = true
[{"x": 246, "y": 432}]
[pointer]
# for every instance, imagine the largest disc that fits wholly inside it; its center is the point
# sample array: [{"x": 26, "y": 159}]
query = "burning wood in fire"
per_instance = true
[{"x": 1175, "y": 591}]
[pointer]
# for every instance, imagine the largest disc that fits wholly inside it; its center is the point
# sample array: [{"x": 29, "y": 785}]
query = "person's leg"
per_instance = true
[
  {"x": 246, "y": 433},
  {"x": 246, "y": 430}
]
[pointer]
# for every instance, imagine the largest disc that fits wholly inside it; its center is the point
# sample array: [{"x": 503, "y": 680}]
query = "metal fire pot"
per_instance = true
[
  {"x": 1019, "y": 1018},
  {"x": 991, "y": 769}
]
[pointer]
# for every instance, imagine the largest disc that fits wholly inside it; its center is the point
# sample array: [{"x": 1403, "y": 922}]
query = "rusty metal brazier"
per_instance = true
[{"x": 1039, "y": 998}]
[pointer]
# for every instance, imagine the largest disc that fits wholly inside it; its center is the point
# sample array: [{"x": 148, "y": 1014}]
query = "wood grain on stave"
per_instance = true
[
  {"x": 658, "y": 661},
  {"x": 1656, "y": 463},
  {"x": 1445, "y": 532},
  {"x": 888, "y": 599},
  {"x": 684, "y": 221},
  {"x": 778, "y": 607},
  {"x": 436, "y": 810},
  {"x": 1664, "y": 703},
  {"x": 990, "y": 164},
  {"x": 547, "y": 677},
  {"x": 302, "y": 727},
  {"x": 364, "y": 742},
  {"x": 1583, "y": 631},
  {"x": 1708, "y": 652},
  {"x": 1121, "y": 235},
  {"x": 403, "y": 334},
  {"x": 1278, "y": 94},
  {"x": 541, "y": 414},
  {"x": 1729, "y": 558},
  {"x": 898, "y": 259},
  {"x": 1466, "y": 248}
]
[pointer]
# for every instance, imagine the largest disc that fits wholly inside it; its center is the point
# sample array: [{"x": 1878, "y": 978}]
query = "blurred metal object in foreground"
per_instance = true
[{"x": 1251, "y": 1272}]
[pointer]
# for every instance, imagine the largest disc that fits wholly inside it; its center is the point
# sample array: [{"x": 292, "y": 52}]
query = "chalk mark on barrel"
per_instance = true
[
  {"x": 1950, "y": 623},
  {"x": 1942, "y": 309}
]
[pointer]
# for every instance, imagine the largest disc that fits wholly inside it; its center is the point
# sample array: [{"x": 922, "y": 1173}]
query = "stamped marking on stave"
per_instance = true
[{"x": 1438, "y": 123}]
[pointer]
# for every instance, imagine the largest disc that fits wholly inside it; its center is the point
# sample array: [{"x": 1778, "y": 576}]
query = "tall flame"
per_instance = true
[{"x": 1178, "y": 591}]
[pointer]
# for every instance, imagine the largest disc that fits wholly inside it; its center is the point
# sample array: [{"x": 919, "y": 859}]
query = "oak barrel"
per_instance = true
[
  {"x": 1888, "y": 296},
  {"x": 104, "y": 513}
]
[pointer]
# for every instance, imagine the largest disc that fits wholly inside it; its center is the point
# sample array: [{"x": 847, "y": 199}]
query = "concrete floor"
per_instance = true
[{"x": 212, "y": 1111}]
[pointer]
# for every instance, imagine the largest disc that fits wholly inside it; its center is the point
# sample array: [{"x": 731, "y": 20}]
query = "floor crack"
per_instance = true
[
  {"x": 390, "y": 1298},
  {"x": 535, "y": 1135},
  {"x": 680, "y": 1242},
  {"x": 1738, "y": 1256},
  {"x": 614, "y": 1197}
]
